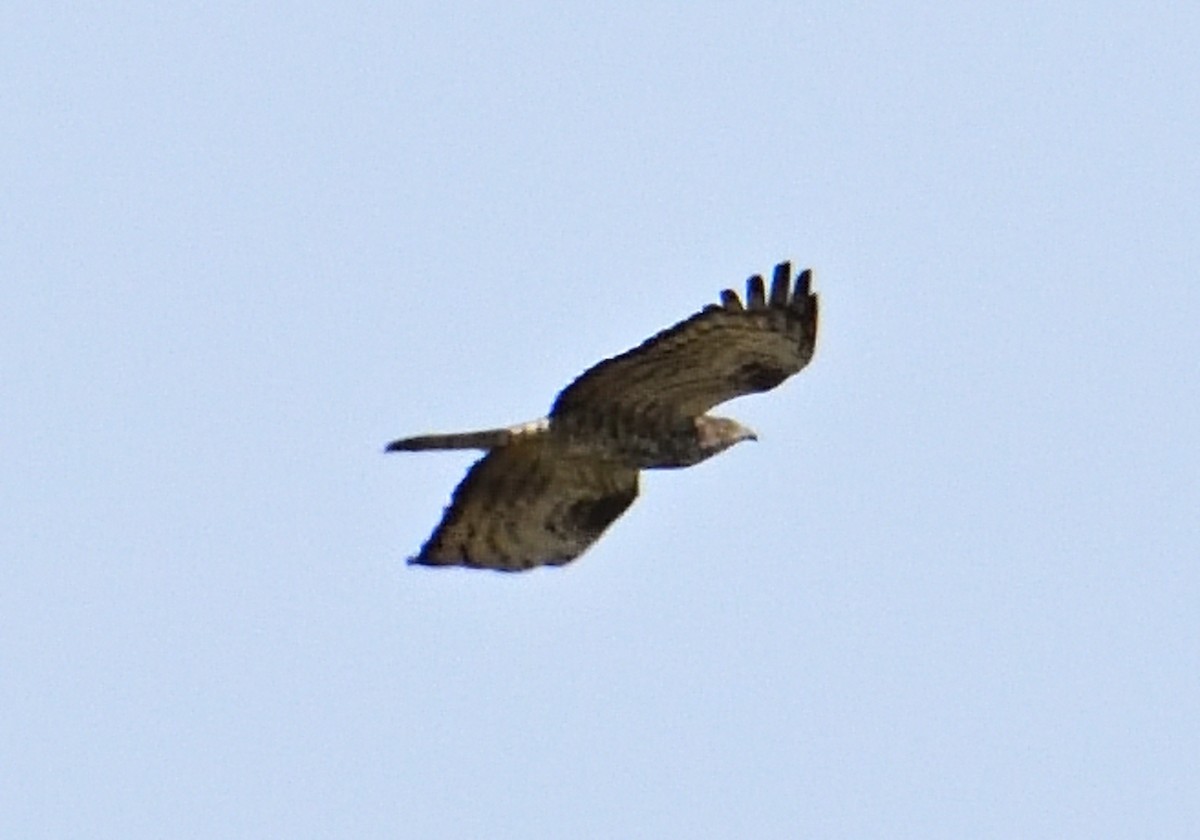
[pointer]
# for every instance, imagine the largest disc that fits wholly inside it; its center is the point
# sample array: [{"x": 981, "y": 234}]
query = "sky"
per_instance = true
[{"x": 951, "y": 591}]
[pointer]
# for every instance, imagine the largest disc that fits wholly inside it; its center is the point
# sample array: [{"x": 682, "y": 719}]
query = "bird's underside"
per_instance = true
[{"x": 546, "y": 490}]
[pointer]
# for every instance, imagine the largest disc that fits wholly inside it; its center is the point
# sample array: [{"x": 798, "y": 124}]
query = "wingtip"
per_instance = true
[
  {"x": 463, "y": 563},
  {"x": 780, "y": 281},
  {"x": 756, "y": 295},
  {"x": 730, "y": 300},
  {"x": 777, "y": 295},
  {"x": 803, "y": 283},
  {"x": 425, "y": 560}
]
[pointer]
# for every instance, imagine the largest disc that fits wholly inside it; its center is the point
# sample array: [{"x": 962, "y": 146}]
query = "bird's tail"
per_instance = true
[{"x": 486, "y": 439}]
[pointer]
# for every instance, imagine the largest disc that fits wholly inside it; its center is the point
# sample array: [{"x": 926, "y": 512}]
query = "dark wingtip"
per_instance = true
[
  {"x": 804, "y": 300},
  {"x": 803, "y": 284},
  {"x": 779, "y": 295},
  {"x": 779, "y": 284},
  {"x": 756, "y": 296},
  {"x": 423, "y": 559},
  {"x": 394, "y": 446},
  {"x": 730, "y": 300}
]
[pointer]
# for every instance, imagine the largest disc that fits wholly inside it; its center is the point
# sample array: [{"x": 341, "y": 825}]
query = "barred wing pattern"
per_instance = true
[
  {"x": 723, "y": 351},
  {"x": 528, "y": 504}
]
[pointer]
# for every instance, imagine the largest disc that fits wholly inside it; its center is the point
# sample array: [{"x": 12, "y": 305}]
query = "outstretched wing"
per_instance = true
[
  {"x": 723, "y": 351},
  {"x": 528, "y": 504}
]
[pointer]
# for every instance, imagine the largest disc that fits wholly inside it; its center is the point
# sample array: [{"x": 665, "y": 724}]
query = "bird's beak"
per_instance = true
[{"x": 749, "y": 434}]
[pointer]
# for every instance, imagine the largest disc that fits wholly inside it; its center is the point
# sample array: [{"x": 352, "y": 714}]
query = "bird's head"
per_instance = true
[{"x": 716, "y": 434}]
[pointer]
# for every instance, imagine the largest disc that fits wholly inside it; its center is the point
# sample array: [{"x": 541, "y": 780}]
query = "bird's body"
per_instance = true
[{"x": 548, "y": 489}]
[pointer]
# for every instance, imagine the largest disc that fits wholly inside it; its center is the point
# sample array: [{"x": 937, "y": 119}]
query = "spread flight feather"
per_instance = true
[{"x": 548, "y": 489}]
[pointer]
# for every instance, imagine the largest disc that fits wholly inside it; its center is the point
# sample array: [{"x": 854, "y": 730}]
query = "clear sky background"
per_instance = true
[{"x": 953, "y": 591}]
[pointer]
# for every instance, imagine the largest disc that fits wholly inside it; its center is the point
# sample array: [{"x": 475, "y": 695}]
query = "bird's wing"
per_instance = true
[
  {"x": 529, "y": 504},
  {"x": 724, "y": 351}
]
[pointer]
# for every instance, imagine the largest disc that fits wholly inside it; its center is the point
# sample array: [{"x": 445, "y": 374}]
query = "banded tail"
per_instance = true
[{"x": 486, "y": 439}]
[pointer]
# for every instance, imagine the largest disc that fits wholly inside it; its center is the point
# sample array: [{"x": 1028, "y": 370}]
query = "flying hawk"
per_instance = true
[{"x": 547, "y": 490}]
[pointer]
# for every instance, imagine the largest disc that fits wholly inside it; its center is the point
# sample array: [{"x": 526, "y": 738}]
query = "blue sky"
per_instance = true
[{"x": 952, "y": 591}]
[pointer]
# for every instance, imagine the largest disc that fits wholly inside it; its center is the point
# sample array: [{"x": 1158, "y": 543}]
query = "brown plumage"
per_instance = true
[{"x": 547, "y": 490}]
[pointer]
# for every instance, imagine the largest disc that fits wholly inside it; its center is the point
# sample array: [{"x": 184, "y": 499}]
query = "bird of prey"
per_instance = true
[{"x": 548, "y": 489}]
